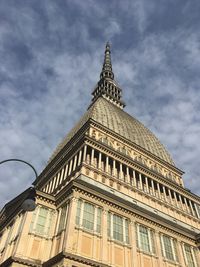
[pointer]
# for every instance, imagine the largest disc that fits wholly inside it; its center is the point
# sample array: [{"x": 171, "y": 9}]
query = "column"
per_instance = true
[
  {"x": 176, "y": 200},
  {"x": 158, "y": 247},
  {"x": 127, "y": 175},
  {"x": 62, "y": 175},
  {"x": 133, "y": 243},
  {"x": 197, "y": 211},
  {"x": 165, "y": 195},
  {"x": 170, "y": 196},
  {"x": 70, "y": 226},
  {"x": 75, "y": 160},
  {"x": 79, "y": 157},
  {"x": 193, "y": 213},
  {"x": 81, "y": 213},
  {"x": 92, "y": 157},
  {"x": 58, "y": 220},
  {"x": 111, "y": 225},
  {"x": 147, "y": 184},
  {"x": 107, "y": 163},
  {"x": 19, "y": 246},
  {"x": 114, "y": 168},
  {"x": 152, "y": 185},
  {"x": 120, "y": 172},
  {"x": 63, "y": 232},
  {"x": 104, "y": 248},
  {"x": 70, "y": 166},
  {"x": 159, "y": 193},
  {"x": 140, "y": 178},
  {"x": 186, "y": 205},
  {"x": 180, "y": 254},
  {"x": 66, "y": 172},
  {"x": 84, "y": 153},
  {"x": 134, "y": 179},
  {"x": 99, "y": 163},
  {"x": 181, "y": 202},
  {"x": 57, "y": 179}
]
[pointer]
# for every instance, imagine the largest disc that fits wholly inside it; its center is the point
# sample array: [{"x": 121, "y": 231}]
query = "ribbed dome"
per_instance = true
[{"x": 120, "y": 122}]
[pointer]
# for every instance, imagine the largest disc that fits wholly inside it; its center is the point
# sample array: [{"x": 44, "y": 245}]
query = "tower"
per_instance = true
[{"x": 110, "y": 195}]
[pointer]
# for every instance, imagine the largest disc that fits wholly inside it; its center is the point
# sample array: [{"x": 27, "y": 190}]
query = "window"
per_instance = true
[
  {"x": 88, "y": 216},
  {"x": 41, "y": 221},
  {"x": 62, "y": 221},
  {"x": 189, "y": 253},
  {"x": 10, "y": 230},
  {"x": 118, "y": 228},
  {"x": 145, "y": 239},
  {"x": 169, "y": 248}
]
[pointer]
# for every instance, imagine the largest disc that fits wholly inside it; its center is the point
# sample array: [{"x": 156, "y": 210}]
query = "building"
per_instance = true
[{"x": 109, "y": 196}]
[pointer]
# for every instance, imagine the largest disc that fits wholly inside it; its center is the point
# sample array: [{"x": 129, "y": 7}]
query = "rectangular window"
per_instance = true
[
  {"x": 41, "y": 221},
  {"x": 169, "y": 248},
  {"x": 88, "y": 216},
  {"x": 189, "y": 256},
  {"x": 10, "y": 230},
  {"x": 42, "y": 217},
  {"x": 145, "y": 239},
  {"x": 62, "y": 219},
  {"x": 118, "y": 228}
]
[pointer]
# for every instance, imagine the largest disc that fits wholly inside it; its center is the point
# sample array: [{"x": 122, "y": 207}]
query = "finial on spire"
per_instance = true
[{"x": 107, "y": 65}]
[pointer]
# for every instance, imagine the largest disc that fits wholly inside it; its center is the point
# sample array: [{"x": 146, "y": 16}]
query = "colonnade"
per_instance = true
[{"x": 118, "y": 170}]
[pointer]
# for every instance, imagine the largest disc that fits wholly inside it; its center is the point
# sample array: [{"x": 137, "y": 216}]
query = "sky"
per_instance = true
[{"x": 51, "y": 55}]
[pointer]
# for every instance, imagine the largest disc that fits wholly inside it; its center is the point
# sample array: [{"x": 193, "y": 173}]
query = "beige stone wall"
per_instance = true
[{"x": 89, "y": 245}]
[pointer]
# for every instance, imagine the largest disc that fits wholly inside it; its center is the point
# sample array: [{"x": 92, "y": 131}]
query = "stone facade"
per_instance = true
[{"x": 109, "y": 196}]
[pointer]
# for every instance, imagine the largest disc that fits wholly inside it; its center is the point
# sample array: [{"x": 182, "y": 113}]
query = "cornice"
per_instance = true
[
  {"x": 44, "y": 196},
  {"x": 135, "y": 209},
  {"x": 130, "y": 187},
  {"x": 76, "y": 258},
  {"x": 12, "y": 259},
  {"x": 56, "y": 167},
  {"x": 53, "y": 164}
]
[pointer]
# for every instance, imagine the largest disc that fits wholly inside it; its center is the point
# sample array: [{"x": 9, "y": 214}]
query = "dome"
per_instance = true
[{"x": 120, "y": 122}]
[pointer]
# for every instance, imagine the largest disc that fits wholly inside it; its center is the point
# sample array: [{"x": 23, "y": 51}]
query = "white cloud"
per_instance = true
[{"x": 42, "y": 99}]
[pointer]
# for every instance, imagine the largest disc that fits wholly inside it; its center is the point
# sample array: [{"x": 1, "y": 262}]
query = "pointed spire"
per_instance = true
[
  {"x": 107, "y": 65},
  {"x": 107, "y": 87}
]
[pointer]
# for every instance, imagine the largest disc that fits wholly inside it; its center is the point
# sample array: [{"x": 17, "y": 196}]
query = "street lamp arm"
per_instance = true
[
  {"x": 29, "y": 203},
  {"x": 20, "y": 160}
]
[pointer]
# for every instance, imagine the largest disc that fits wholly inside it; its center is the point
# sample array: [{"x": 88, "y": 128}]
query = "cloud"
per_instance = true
[{"x": 51, "y": 57}]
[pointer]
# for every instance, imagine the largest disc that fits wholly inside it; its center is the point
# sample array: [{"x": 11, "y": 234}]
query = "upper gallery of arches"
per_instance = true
[{"x": 106, "y": 109}]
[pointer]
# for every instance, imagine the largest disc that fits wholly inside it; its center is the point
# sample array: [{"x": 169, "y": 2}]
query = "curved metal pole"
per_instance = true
[{"x": 20, "y": 160}]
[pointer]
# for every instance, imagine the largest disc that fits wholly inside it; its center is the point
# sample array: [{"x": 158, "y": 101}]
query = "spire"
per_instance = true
[
  {"x": 107, "y": 65},
  {"x": 107, "y": 86}
]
